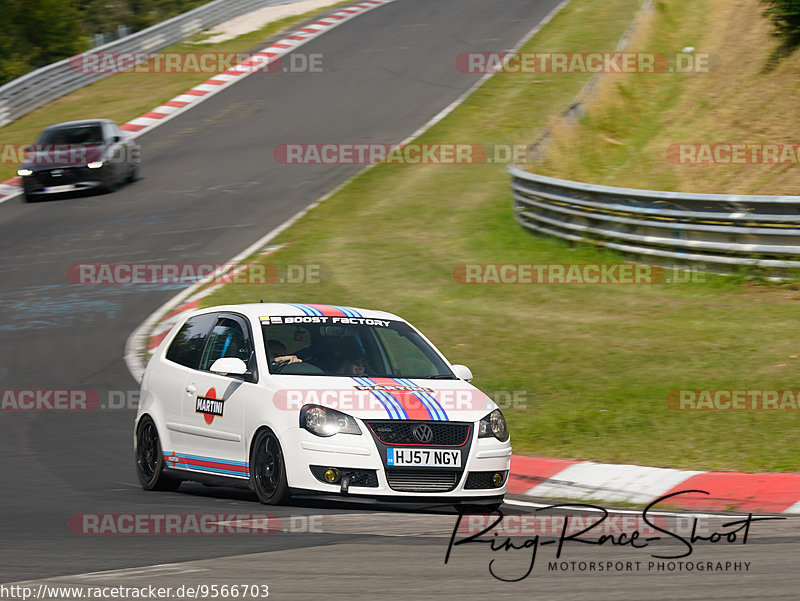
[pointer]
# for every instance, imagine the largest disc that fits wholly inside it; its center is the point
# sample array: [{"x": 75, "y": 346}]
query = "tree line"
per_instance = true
[{"x": 34, "y": 33}]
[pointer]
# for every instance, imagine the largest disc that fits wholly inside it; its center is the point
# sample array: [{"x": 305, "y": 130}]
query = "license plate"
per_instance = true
[
  {"x": 64, "y": 188},
  {"x": 423, "y": 458}
]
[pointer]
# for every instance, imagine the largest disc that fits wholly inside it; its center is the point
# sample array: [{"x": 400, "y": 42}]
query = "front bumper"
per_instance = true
[
  {"x": 70, "y": 179},
  {"x": 360, "y": 454}
]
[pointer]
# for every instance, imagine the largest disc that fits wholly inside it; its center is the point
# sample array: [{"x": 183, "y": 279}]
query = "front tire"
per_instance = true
[
  {"x": 150, "y": 458},
  {"x": 268, "y": 469},
  {"x": 133, "y": 175}
]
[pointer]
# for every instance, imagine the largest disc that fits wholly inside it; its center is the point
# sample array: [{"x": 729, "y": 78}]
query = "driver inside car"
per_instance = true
[{"x": 276, "y": 353}]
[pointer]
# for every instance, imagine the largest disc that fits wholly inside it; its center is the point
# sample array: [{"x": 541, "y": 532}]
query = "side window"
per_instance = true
[
  {"x": 227, "y": 339},
  {"x": 188, "y": 345}
]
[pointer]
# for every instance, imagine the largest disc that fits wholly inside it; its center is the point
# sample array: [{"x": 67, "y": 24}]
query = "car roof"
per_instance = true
[
  {"x": 258, "y": 310},
  {"x": 78, "y": 123}
]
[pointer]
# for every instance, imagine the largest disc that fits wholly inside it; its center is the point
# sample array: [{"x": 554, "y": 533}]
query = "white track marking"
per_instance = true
[{"x": 136, "y": 345}]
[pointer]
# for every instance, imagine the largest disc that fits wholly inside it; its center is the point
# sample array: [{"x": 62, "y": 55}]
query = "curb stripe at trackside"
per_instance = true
[
  {"x": 216, "y": 83},
  {"x": 772, "y": 492},
  {"x": 586, "y": 480},
  {"x": 614, "y": 483}
]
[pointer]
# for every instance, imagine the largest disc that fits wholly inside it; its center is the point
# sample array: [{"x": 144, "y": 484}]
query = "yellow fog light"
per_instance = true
[
  {"x": 497, "y": 479},
  {"x": 331, "y": 475}
]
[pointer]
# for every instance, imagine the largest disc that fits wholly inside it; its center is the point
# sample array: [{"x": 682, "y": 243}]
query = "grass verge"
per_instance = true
[
  {"x": 744, "y": 98},
  {"x": 125, "y": 96},
  {"x": 595, "y": 363}
]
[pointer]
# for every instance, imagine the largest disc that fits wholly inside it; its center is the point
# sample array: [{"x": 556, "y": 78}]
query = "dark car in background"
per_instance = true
[{"x": 76, "y": 156}]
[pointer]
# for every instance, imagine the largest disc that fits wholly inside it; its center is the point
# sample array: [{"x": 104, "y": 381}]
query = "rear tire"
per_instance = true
[
  {"x": 268, "y": 469},
  {"x": 150, "y": 458}
]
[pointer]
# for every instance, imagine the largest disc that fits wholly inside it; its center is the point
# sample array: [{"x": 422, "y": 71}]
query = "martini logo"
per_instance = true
[{"x": 209, "y": 405}]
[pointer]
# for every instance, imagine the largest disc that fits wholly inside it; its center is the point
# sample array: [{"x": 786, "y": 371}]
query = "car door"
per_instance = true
[
  {"x": 129, "y": 151},
  {"x": 214, "y": 404},
  {"x": 115, "y": 153},
  {"x": 167, "y": 379}
]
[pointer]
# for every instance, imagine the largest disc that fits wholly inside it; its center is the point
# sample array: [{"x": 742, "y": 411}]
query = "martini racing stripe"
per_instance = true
[
  {"x": 326, "y": 310},
  {"x": 207, "y": 464},
  {"x": 305, "y": 309},
  {"x": 393, "y": 408},
  {"x": 433, "y": 406},
  {"x": 414, "y": 409}
]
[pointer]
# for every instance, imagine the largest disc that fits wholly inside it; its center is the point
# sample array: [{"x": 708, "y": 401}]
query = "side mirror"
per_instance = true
[
  {"x": 462, "y": 372},
  {"x": 230, "y": 366}
]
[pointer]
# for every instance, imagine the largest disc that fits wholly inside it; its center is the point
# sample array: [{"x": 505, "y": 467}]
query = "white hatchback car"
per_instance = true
[{"x": 298, "y": 399}]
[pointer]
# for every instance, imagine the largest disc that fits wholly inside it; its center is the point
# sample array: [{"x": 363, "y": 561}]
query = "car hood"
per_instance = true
[
  {"x": 50, "y": 157},
  {"x": 385, "y": 398}
]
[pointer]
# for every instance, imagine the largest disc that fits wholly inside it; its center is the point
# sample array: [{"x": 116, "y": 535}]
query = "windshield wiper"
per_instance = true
[{"x": 439, "y": 377}]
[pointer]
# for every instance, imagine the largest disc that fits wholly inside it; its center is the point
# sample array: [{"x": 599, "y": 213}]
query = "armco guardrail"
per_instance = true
[
  {"x": 44, "y": 85},
  {"x": 713, "y": 229}
]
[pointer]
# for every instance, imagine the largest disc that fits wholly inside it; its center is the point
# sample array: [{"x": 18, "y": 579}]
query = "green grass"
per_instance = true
[
  {"x": 634, "y": 118},
  {"x": 113, "y": 98},
  {"x": 596, "y": 362}
]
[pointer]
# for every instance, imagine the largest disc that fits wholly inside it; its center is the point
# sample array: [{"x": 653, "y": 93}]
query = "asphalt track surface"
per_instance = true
[{"x": 211, "y": 188}]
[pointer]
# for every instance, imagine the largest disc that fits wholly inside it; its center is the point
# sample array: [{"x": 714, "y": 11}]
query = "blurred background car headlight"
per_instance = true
[
  {"x": 493, "y": 424},
  {"x": 327, "y": 422},
  {"x": 95, "y": 165},
  {"x": 24, "y": 172}
]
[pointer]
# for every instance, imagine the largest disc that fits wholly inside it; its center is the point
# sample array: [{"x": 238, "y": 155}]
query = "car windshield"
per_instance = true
[
  {"x": 367, "y": 348},
  {"x": 79, "y": 134}
]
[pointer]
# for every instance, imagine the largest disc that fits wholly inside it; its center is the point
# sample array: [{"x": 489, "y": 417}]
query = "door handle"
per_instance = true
[{"x": 191, "y": 389}]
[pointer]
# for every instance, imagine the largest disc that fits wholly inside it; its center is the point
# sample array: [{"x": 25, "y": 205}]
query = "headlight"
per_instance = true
[
  {"x": 493, "y": 424},
  {"x": 327, "y": 422},
  {"x": 95, "y": 165},
  {"x": 24, "y": 172}
]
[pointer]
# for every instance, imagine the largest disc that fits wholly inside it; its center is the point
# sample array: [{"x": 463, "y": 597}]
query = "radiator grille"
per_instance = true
[{"x": 422, "y": 481}]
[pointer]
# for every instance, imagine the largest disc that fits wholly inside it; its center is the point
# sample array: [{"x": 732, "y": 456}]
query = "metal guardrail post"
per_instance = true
[
  {"x": 44, "y": 85},
  {"x": 719, "y": 230}
]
